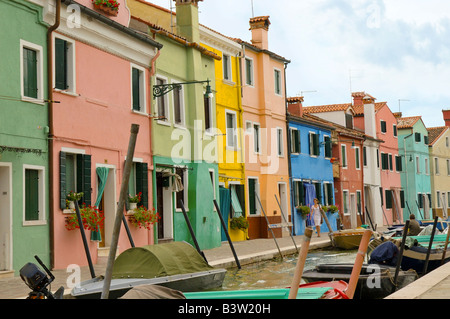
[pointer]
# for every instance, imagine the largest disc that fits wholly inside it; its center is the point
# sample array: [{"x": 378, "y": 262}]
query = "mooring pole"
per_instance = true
[
  {"x": 119, "y": 213},
  {"x": 425, "y": 267},
  {"x": 268, "y": 225},
  {"x": 400, "y": 255},
  {"x": 226, "y": 233},
  {"x": 191, "y": 230},
  {"x": 127, "y": 229},
  {"x": 287, "y": 224},
  {"x": 83, "y": 236}
]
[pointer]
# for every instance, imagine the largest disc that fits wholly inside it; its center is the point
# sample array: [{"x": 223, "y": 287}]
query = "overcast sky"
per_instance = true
[{"x": 392, "y": 49}]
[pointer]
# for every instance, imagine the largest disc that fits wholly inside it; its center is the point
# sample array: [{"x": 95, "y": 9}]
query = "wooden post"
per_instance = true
[
  {"x": 119, "y": 212},
  {"x": 425, "y": 267},
  {"x": 400, "y": 256},
  {"x": 300, "y": 264},
  {"x": 354, "y": 277}
]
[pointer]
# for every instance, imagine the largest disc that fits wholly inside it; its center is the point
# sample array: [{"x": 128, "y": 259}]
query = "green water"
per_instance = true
[{"x": 279, "y": 273}]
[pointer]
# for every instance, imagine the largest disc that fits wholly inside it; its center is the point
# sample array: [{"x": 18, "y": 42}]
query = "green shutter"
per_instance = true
[
  {"x": 402, "y": 199},
  {"x": 136, "y": 89},
  {"x": 62, "y": 180},
  {"x": 301, "y": 193},
  {"x": 330, "y": 193},
  {"x": 84, "y": 177},
  {"x": 251, "y": 196},
  {"x": 31, "y": 195},
  {"x": 60, "y": 64},
  {"x": 30, "y": 73},
  {"x": 142, "y": 183},
  {"x": 316, "y": 145},
  {"x": 388, "y": 195},
  {"x": 318, "y": 187},
  {"x": 328, "y": 146}
]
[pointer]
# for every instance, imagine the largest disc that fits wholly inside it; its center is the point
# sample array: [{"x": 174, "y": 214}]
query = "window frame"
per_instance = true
[
  {"x": 278, "y": 86},
  {"x": 41, "y": 195},
  {"x": 280, "y": 141},
  {"x": 71, "y": 82},
  {"x": 234, "y": 146},
  {"x": 39, "y": 72},
  {"x": 182, "y": 106},
  {"x": 142, "y": 89},
  {"x": 344, "y": 161},
  {"x": 165, "y": 99},
  {"x": 226, "y": 67},
  {"x": 249, "y": 82}
]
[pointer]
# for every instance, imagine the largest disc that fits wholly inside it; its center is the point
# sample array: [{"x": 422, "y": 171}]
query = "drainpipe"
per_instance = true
[
  {"x": 406, "y": 164},
  {"x": 50, "y": 125}
]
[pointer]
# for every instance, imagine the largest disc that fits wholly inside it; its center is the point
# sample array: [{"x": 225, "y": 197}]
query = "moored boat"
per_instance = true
[
  {"x": 175, "y": 265},
  {"x": 347, "y": 239},
  {"x": 375, "y": 281}
]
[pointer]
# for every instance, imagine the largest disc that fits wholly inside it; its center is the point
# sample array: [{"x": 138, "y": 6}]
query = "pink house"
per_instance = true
[
  {"x": 389, "y": 161},
  {"x": 101, "y": 72}
]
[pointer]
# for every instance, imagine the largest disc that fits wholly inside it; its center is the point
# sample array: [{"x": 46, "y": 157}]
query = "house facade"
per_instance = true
[
  {"x": 439, "y": 147},
  {"x": 101, "y": 72},
  {"x": 184, "y": 141},
  {"x": 230, "y": 127},
  {"x": 264, "y": 115},
  {"x": 310, "y": 153},
  {"x": 415, "y": 176},
  {"x": 24, "y": 194}
]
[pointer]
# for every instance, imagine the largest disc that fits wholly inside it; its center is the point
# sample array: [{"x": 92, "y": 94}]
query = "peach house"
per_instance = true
[
  {"x": 101, "y": 72},
  {"x": 264, "y": 117}
]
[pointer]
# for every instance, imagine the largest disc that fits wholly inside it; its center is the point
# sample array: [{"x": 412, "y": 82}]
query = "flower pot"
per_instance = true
[
  {"x": 133, "y": 206},
  {"x": 108, "y": 10},
  {"x": 71, "y": 204}
]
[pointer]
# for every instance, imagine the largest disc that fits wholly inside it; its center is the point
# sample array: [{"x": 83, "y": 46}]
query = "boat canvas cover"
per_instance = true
[{"x": 158, "y": 261}]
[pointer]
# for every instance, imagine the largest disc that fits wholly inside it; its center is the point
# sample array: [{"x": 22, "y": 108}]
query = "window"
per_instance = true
[
  {"x": 178, "y": 106},
  {"x": 314, "y": 144},
  {"x": 438, "y": 199},
  {"x": 161, "y": 104},
  {"x": 231, "y": 137},
  {"x": 447, "y": 142},
  {"x": 257, "y": 137},
  {"x": 328, "y": 146},
  {"x": 138, "y": 182},
  {"x": 34, "y": 195},
  {"x": 207, "y": 103},
  {"x": 425, "y": 139},
  {"x": 227, "y": 67},
  {"x": 344, "y": 155},
  {"x": 359, "y": 202},
  {"x": 436, "y": 166},
  {"x": 280, "y": 149},
  {"x": 299, "y": 193},
  {"x": 364, "y": 156},
  {"x": 349, "y": 121},
  {"x": 31, "y": 69},
  {"x": 64, "y": 64},
  {"x": 345, "y": 199},
  {"x": 394, "y": 130},
  {"x": 378, "y": 158},
  {"x": 402, "y": 199},
  {"x": 448, "y": 167},
  {"x": 318, "y": 187},
  {"x": 277, "y": 75},
  {"x": 398, "y": 163},
  {"x": 75, "y": 175},
  {"x": 383, "y": 126},
  {"x": 357, "y": 158},
  {"x": 384, "y": 161},
  {"x": 417, "y": 137},
  {"x": 391, "y": 164},
  {"x": 388, "y": 195},
  {"x": 294, "y": 135},
  {"x": 417, "y": 165},
  {"x": 183, "y": 194},
  {"x": 249, "y": 72},
  {"x": 426, "y": 166},
  {"x": 420, "y": 200},
  {"x": 138, "y": 89},
  {"x": 328, "y": 193}
]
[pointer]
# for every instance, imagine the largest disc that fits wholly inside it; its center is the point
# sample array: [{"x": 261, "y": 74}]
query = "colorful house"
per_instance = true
[
  {"x": 348, "y": 167},
  {"x": 229, "y": 127},
  {"x": 439, "y": 147},
  {"x": 184, "y": 140},
  {"x": 310, "y": 153},
  {"x": 383, "y": 189},
  {"x": 415, "y": 175},
  {"x": 265, "y": 146},
  {"x": 24, "y": 194},
  {"x": 101, "y": 72}
]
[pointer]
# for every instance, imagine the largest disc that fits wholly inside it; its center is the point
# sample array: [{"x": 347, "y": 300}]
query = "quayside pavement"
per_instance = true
[{"x": 435, "y": 285}]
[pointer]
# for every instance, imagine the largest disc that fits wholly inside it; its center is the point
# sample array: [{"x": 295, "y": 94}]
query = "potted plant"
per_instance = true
[
  {"x": 304, "y": 210},
  {"x": 134, "y": 200},
  {"x": 91, "y": 217},
  {"x": 72, "y": 197},
  {"x": 110, "y": 7},
  {"x": 331, "y": 209},
  {"x": 144, "y": 218},
  {"x": 239, "y": 223}
]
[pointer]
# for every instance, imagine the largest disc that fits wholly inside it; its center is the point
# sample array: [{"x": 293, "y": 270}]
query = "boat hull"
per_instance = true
[
  {"x": 347, "y": 239},
  {"x": 92, "y": 289},
  {"x": 375, "y": 281}
]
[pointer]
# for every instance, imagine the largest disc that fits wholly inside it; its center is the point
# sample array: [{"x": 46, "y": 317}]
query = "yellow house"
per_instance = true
[
  {"x": 230, "y": 148},
  {"x": 439, "y": 146}
]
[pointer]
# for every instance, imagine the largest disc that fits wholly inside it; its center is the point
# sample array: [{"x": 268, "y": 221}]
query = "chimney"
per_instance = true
[
  {"x": 398, "y": 114},
  {"x": 358, "y": 98},
  {"x": 260, "y": 32},
  {"x": 369, "y": 115},
  {"x": 295, "y": 106},
  {"x": 187, "y": 19},
  {"x": 446, "y": 114}
]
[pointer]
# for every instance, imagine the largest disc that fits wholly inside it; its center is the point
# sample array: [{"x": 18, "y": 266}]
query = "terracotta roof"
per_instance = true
[
  {"x": 359, "y": 110},
  {"x": 407, "y": 122},
  {"x": 339, "y": 128},
  {"x": 326, "y": 108},
  {"x": 434, "y": 133}
]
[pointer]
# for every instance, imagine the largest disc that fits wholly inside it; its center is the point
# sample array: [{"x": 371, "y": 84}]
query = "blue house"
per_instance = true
[{"x": 311, "y": 172}]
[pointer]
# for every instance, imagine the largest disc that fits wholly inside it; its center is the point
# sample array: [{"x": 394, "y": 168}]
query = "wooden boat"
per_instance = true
[
  {"x": 375, "y": 281},
  {"x": 414, "y": 257},
  {"x": 347, "y": 239},
  {"x": 338, "y": 291},
  {"x": 175, "y": 265}
]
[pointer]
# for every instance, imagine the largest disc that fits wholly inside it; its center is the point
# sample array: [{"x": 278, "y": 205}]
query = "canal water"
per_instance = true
[{"x": 279, "y": 273}]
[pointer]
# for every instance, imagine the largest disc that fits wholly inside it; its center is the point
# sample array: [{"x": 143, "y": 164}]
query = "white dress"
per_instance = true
[{"x": 316, "y": 216}]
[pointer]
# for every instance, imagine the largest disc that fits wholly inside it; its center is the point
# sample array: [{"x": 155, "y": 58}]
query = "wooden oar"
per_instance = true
[
  {"x": 300, "y": 263},
  {"x": 358, "y": 263}
]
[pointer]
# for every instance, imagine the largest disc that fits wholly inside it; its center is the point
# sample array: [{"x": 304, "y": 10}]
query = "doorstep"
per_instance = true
[{"x": 6, "y": 274}]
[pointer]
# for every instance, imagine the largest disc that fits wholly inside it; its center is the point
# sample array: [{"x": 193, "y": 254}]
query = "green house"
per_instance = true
[{"x": 24, "y": 202}]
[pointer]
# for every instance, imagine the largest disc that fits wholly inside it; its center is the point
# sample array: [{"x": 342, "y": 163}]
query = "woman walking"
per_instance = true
[{"x": 316, "y": 215}]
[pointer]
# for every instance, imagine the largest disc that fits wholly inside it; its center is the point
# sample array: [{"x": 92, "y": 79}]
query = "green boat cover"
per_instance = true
[{"x": 158, "y": 261}]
